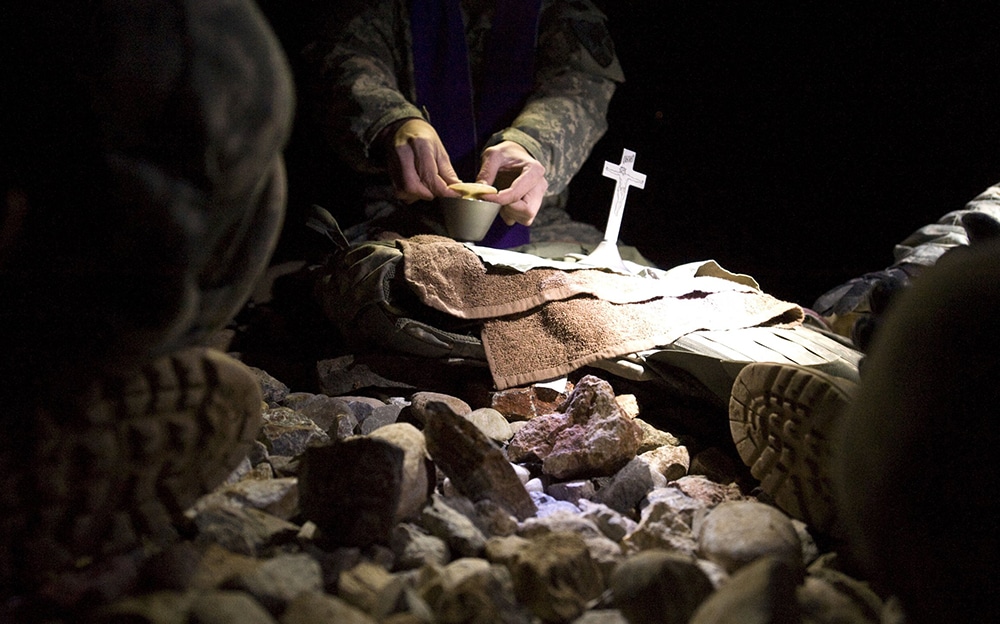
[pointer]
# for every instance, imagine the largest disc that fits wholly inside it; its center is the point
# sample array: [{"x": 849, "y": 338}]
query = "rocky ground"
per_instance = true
[{"x": 388, "y": 488}]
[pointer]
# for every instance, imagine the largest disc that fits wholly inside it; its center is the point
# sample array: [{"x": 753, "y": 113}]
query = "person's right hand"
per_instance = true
[{"x": 418, "y": 163}]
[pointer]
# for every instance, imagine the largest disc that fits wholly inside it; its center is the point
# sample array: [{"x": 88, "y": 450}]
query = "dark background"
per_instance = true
[{"x": 796, "y": 142}]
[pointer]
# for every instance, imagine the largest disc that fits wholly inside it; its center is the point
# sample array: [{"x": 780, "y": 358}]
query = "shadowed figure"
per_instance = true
[{"x": 143, "y": 193}]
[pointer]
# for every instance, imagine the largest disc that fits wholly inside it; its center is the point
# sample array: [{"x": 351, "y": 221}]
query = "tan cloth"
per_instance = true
[{"x": 544, "y": 323}]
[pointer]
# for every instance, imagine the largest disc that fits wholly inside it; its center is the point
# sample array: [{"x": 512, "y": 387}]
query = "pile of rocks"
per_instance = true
[{"x": 536, "y": 504}]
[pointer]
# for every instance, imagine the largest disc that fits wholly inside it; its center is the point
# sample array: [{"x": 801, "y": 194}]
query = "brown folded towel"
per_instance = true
[
  {"x": 544, "y": 323},
  {"x": 450, "y": 277},
  {"x": 562, "y": 336}
]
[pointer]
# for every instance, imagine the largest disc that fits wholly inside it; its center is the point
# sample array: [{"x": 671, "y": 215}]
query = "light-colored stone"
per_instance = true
[
  {"x": 629, "y": 405},
  {"x": 243, "y": 531},
  {"x": 492, "y": 423},
  {"x": 456, "y": 529},
  {"x": 471, "y": 590},
  {"x": 420, "y": 400},
  {"x": 821, "y": 601},
  {"x": 547, "y": 505},
  {"x": 278, "y": 497},
  {"x": 654, "y": 438},
  {"x": 415, "y": 548},
  {"x": 276, "y": 581},
  {"x": 707, "y": 491},
  {"x": 312, "y": 607},
  {"x": 827, "y": 569},
  {"x": 214, "y": 566},
  {"x": 571, "y": 491},
  {"x": 361, "y": 585},
  {"x": 417, "y": 475},
  {"x": 225, "y": 607},
  {"x": 161, "y": 607},
  {"x": 670, "y": 461},
  {"x": 602, "y": 616},
  {"x": 737, "y": 533},
  {"x": 661, "y": 526},
  {"x": 613, "y": 525}
]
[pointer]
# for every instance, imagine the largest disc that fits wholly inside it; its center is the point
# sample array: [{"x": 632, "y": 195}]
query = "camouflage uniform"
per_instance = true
[
  {"x": 364, "y": 72},
  {"x": 858, "y": 307},
  {"x": 921, "y": 249},
  {"x": 924, "y": 246}
]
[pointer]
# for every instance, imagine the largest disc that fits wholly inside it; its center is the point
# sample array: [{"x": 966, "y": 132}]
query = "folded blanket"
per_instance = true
[
  {"x": 544, "y": 323},
  {"x": 562, "y": 336},
  {"x": 450, "y": 277}
]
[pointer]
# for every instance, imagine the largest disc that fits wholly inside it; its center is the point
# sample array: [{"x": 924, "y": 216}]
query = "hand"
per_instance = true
[
  {"x": 522, "y": 198},
  {"x": 418, "y": 162}
]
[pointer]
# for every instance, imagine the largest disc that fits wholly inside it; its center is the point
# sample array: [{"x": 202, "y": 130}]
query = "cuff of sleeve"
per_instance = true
[
  {"x": 372, "y": 148},
  {"x": 525, "y": 140}
]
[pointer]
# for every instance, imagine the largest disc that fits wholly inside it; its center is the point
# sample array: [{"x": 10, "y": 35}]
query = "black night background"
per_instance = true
[{"x": 796, "y": 142}]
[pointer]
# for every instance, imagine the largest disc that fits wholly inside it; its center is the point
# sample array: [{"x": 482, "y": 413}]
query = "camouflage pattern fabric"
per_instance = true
[
  {"x": 927, "y": 244},
  {"x": 921, "y": 249},
  {"x": 361, "y": 81},
  {"x": 143, "y": 156}
]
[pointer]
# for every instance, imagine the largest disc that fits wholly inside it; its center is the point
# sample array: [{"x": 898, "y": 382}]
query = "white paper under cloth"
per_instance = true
[{"x": 543, "y": 323}]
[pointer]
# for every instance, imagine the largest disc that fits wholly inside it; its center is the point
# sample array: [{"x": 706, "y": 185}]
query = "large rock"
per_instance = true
[
  {"x": 287, "y": 432},
  {"x": 476, "y": 467},
  {"x": 760, "y": 593},
  {"x": 471, "y": 590},
  {"x": 740, "y": 532},
  {"x": 592, "y": 436},
  {"x": 352, "y": 489},
  {"x": 659, "y": 586},
  {"x": 555, "y": 576},
  {"x": 418, "y": 472},
  {"x": 519, "y": 404}
]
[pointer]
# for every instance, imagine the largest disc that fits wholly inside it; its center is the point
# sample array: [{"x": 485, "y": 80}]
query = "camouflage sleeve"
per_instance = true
[
  {"x": 358, "y": 78},
  {"x": 926, "y": 245},
  {"x": 576, "y": 74}
]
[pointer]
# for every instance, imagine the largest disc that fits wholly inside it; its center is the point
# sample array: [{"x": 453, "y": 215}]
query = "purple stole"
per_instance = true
[{"x": 466, "y": 114}]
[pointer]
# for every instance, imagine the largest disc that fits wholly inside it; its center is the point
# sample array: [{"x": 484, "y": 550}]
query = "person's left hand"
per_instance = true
[{"x": 523, "y": 197}]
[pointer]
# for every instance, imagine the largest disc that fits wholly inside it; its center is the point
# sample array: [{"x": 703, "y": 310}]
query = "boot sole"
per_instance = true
[
  {"x": 781, "y": 418},
  {"x": 117, "y": 469}
]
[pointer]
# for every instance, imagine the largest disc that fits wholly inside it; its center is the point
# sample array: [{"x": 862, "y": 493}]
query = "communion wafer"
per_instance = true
[{"x": 472, "y": 190}]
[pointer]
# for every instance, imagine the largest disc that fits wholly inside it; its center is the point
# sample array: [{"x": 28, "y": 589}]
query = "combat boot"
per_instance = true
[
  {"x": 782, "y": 418},
  {"x": 110, "y": 472}
]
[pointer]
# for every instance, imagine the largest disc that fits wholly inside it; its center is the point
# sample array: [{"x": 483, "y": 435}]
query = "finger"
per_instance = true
[
  {"x": 517, "y": 189},
  {"x": 508, "y": 215},
  {"x": 405, "y": 182},
  {"x": 413, "y": 188},
  {"x": 446, "y": 175},
  {"x": 488, "y": 170},
  {"x": 424, "y": 171},
  {"x": 518, "y": 212}
]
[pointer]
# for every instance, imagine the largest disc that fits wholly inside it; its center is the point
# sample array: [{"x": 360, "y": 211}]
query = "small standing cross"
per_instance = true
[{"x": 625, "y": 176}]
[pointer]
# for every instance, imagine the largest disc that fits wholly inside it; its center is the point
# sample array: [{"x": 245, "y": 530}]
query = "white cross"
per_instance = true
[{"x": 625, "y": 176}]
